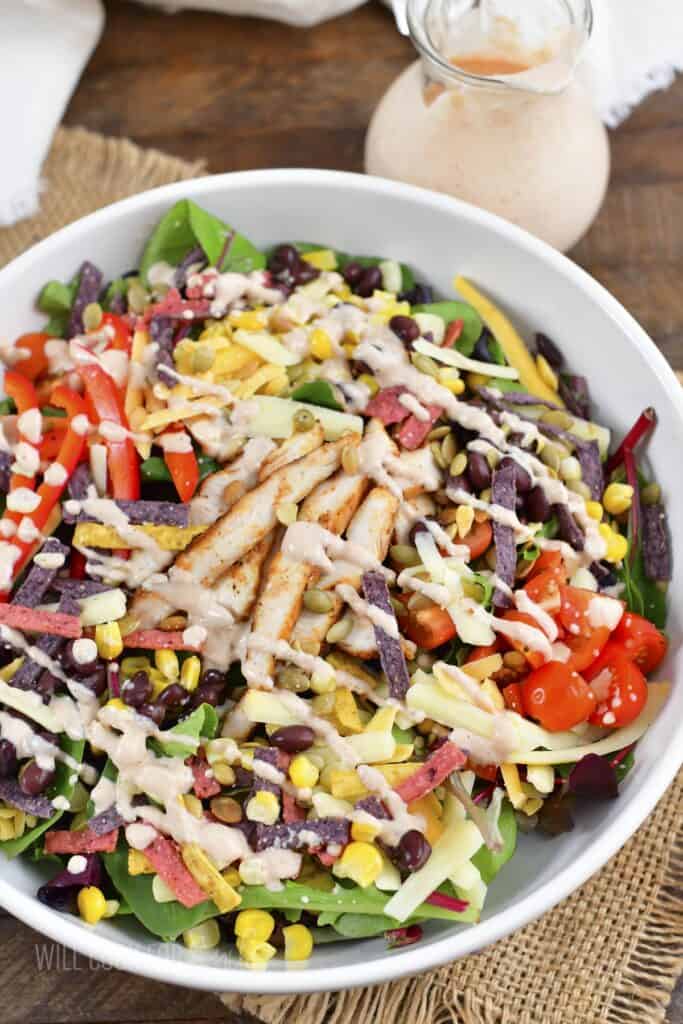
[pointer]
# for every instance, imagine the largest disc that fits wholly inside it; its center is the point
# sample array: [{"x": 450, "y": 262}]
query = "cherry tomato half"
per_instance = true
[
  {"x": 643, "y": 641},
  {"x": 544, "y": 589},
  {"x": 478, "y": 540},
  {"x": 428, "y": 627},
  {"x": 557, "y": 697},
  {"x": 477, "y": 653},
  {"x": 620, "y": 687},
  {"x": 535, "y": 658},
  {"x": 512, "y": 695}
]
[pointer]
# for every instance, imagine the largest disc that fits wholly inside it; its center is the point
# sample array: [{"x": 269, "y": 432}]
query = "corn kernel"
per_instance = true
[
  {"x": 321, "y": 259},
  {"x": 109, "y": 640},
  {"x": 232, "y": 877},
  {"x": 464, "y": 517},
  {"x": 254, "y": 924},
  {"x": 206, "y": 935},
  {"x": 167, "y": 663},
  {"x": 594, "y": 510},
  {"x": 361, "y": 862},
  {"x": 252, "y": 871},
  {"x": 617, "y": 545},
  {"x": 303, "y": 772},
  {"x": 255, "y": 952},
  {"x": 363, "y": 832},
  {"x": 617, "y": 498},
  {"x": 370, "y": 383},
  {"x": 91, "y": 904},
  {"x": 189, "y": 673},
  {"x": 298, "y": 942},
  {"x": 349, "y": 349},
  {"x": 263, "y": 807},
  {"x": 546, "y": 373},
  {"x": 249, "y": 321},
  {"x": 117, "y": 703},
  {"x": 321, "y": 346},
  {"x": 456, "y": 385},
  {"x": 138, "y": 863}
]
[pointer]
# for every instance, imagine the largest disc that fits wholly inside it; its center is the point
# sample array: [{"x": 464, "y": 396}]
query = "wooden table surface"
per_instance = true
[{"x": 242, "y": 93}]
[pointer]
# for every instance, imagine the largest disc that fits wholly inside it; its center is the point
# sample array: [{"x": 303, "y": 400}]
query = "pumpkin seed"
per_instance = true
[
  {"x": 579, "y": 487},
  {"x": 226, "y": 809},
  {"x": 438, "y": 432},
  {"x": 449, "y": 448},
  {"x": 92, "y": 316},
  {"x": 651, "y": 494},
  {"x": 223, "y": 773},
  {"x": 339, "y": 631},
  {"x": 435, "y": 449},
  {"x": 424, "y": 364},
  {"x": 405, "y": 554},
  {"x": 318, "y": 600},
  {"x": 293, "y": 679},
  {"x": 203, "y": 358},
  {"x": 137, "y": 297},
  {"x": 459, "y": 464}
]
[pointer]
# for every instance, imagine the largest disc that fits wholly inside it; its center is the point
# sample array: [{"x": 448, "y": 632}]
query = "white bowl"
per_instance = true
[{"x": 542, "y": 290}]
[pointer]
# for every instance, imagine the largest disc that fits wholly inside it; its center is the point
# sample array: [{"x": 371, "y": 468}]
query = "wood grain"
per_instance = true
[{"x": 244, "y": 93}]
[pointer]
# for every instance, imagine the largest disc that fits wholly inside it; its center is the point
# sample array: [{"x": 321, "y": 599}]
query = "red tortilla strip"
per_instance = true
[
  {"x": 385, "y": 406},
  {"x": 446, "y": 759},
  {"x": 205, "y": 784},
  {"x": 158, "y": 640},
  {"x": 29, "y": 620},
  {"x": 164, "y": 856},
  {"x": 414, "y": 431},
  {"x": 81, "y": 841},
  {"x": 290, "y": 809}
]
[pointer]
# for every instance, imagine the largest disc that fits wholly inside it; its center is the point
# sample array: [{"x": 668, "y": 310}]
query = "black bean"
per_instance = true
[
  {"x": 293, "y": 738},
  {"x": 33, "y": 779},
  {"x": 549, "y": 350},
  {"x": 418, "y": 295},
  {"x": 481, "y": 349},
  {"x": 137, "y": 690},
  {"x": 72, "y": 664},
  {"x": 47, "y": 684},
  {"x": 213, "y": 677},
  {"x": 211, "y": 689},
  {"x": 478, "y": 471},
  {"x": 353, "y": 273},
  {"x": 8, "y": 759},
  {"x": 405, "y": 328},
  {"x": 174, "y": 696},
  {"x": 285, "y": 257},
  {"x": 304, "y": 273},
  {"x": 370, "y": 280},
  {"x": 7, "y": 654},
  {"x": 537, "y": 505},
  {"x": 522, "y": 479},
  {"x": 96, "y": 681},
  {"x": 154, "y": 711},
  {"x": 412, "y": 851}
]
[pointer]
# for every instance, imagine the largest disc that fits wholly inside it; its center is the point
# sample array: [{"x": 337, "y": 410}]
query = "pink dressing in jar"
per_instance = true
[{"x": 493, "y": 113}]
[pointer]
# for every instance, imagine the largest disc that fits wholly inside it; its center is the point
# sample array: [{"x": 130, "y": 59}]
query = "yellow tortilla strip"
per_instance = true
[{"x": 168, "y": 538}]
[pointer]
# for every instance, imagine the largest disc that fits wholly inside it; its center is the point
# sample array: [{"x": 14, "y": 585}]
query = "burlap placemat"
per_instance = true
[{"x": 610, "y": 954}]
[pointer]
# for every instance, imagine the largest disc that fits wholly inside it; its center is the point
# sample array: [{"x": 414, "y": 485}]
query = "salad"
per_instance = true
[{"x": 314, "y": 590}]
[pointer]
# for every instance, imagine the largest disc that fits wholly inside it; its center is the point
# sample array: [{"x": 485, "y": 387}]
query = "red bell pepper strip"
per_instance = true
[
  {"x": 30, "y": 620},
  {"x": 80, "y": 841},
  {"x": 453, "y": 332},
  {"x": 158, "y": 640},
  {"x": 122, "y": 458},
  {"x": 164, "y": 856},
  {"x": 445, "y": 759},
  {"x": 52, "y": 441},
  {"x": 184, "y": 469},
  {"x": 68, "y": 458},
  {"x": 34, "y": 364},
  {"x": 119, "y": 330}
]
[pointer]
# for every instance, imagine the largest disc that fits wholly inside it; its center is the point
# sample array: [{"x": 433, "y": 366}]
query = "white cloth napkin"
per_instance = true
[{"x": 44, "y": 45}]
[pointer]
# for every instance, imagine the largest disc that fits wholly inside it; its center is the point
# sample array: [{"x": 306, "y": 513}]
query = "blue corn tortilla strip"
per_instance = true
[
  {"x": 567, "y": 527},
  {"x": 269, "y": 755},
  {"x": 105, "y": 822},
  {"x": 592, "y": 473},
  {"x": 78, "y": 589},
  {"x": 161, "y": 331},
  {"x": 27, "y": 676},
  {"x": 574, "y": 394},
  {"x": 301, "y": 835},
  {"x": 5, "y": 471},
  {"x": 194, "y": 258},
  {"x": 655, "y": 544},
  {"x": 515, "y": 398},
  {"x": 391, "y": 654},
  {"x": 156, "y": 513},
  {"x": 504, "y": 493},
  {"x": 90, "y": 282},
  {"x": 374, "y": 806},
  {"x": 12, "y": 793},
  {"x": 546, "y": 347},
  {"x": 39, "y": 580},
  {"x": 79, "y": 482}
]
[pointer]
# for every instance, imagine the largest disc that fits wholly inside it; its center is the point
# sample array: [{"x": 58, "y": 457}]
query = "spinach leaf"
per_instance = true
[
  {"x": 452, "y": 310},
  {"x": 56, "y": 300},
  {"x": 186, "y": 225},
  {"x": 641, "y": 594},
  {"x": 317, "y": 392},
  {"x": 549, "y": 529},
  {"x": 167, "y": 920},
  {"x": 202, "y": 722},
  {"x": 362, "y": 926},
  {"x": 63, "y": 786},
  {"x": 341, "y": 900},
  {"x": 490, "y": 862}
]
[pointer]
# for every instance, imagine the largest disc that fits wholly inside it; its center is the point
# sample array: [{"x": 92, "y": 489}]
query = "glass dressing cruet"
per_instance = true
[{"x": 493, "y": 112}]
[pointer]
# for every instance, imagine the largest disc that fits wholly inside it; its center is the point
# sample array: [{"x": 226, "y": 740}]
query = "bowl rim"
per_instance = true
[{"x": 418, "y": 958}]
